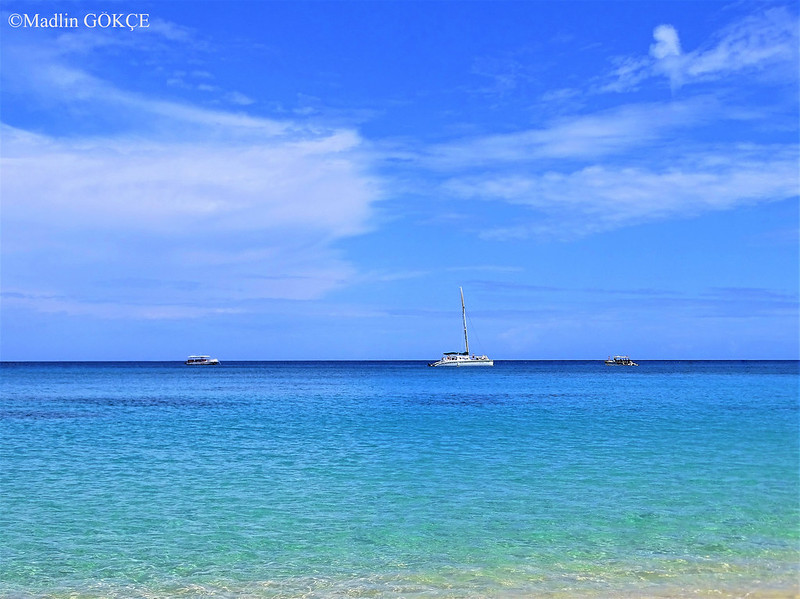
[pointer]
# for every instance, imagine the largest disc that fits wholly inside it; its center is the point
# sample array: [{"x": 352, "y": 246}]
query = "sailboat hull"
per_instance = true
[{"x": 457, "y": 363}]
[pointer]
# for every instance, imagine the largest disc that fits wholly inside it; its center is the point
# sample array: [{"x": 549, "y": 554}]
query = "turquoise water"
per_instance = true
[{"x": 390, "y": 479}]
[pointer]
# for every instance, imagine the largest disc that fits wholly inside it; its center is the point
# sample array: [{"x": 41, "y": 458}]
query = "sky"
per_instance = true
[{"x": 315, "y": 180}]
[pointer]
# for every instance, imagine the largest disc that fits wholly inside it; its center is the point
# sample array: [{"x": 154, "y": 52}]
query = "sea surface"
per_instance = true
[{"x": 391, "y": 479}]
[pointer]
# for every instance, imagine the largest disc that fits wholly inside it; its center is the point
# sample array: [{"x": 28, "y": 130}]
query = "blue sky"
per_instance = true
[{"x": 315, "y": 180}]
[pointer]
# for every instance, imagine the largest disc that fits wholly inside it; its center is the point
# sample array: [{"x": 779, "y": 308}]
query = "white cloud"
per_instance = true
[
  {"x": 754, "y": 42},
  {"x": 768, "y": 39},
  {"x": 169, "y": 30},
  {"x": 643, "y": 162},
  {"x": 667, "y": 42},
  {"x": 272, "y": 208},
  {"x": 667, "y": 52},
  {"x": 148, "y": 185},
  {"x": 578, "y": 137},
  {"x": 111, "y": 310},
  {"x": 219, "y": 207},
  {"x": 602, "y": 198},
  {"x": 239, "y": 98},
  {"x": 72, "y": 86}
]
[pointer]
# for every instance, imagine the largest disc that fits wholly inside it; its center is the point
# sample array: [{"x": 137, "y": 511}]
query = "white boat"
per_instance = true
[
  {"x": 620, "y": 361},
  {"x": 201, "y": 361},
  {"x": 463, "y": 358}
]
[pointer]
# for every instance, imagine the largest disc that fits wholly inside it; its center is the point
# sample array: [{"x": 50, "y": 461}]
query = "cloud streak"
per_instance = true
[
  {"x": 600, "y": 198},
  {"x": 150, "y": 185},
  {"x": 578, "y": 137},
  {"x": 767, "y": 40},
  {"x": 648, "y": 161},
  {"x": 276, "y": 207},
  {"x": 231, "y": 207}
]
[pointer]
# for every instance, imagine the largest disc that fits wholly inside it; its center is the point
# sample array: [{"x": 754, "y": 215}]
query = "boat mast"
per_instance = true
[{"x": 464, "y": 317}]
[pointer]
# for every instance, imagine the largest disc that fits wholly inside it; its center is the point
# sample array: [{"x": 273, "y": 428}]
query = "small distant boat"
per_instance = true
[
  {"x": 463, "y": 358},
  {"x": 201, "y": 361},
  {"x": 620, "y": 361}
]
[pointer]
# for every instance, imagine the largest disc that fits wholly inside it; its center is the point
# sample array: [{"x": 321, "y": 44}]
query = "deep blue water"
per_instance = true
[{"x": 391, "y": 479}]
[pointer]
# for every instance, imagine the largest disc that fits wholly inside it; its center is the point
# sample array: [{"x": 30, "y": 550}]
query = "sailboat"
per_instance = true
[{"x": 463, "y": 358}]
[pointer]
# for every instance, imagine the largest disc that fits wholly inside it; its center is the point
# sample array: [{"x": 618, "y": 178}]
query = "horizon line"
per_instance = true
[{"x": 332, "y": 360}]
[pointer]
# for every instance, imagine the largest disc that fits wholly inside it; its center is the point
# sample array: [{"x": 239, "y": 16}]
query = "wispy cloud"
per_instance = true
[
  {"x": 585, "y": 136},
  {"x": 71, "y": 70},
  {"x": 583, "y": 303},
  {"x": 235, "y": 207},
  {"x": 642, "y": 162},
  {"x": 601, "y": 198},
  {"x": 505, "y": 74},
  {"x": 314, "y": 184},
  {"x": 269, "y": 207},
  {"x": 768, "y": 39},
  {"x": 111, "y": 310}
]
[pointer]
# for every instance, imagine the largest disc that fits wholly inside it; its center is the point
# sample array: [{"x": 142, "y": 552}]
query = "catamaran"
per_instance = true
[{"x": 463, "y": 358}]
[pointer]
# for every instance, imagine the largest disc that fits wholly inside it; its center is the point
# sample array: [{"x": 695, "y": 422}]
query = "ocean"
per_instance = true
[{"x": 391, "y": 479}]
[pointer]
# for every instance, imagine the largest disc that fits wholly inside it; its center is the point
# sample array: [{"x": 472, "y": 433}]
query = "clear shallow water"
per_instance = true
[{"x": 530, "y": 479}]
